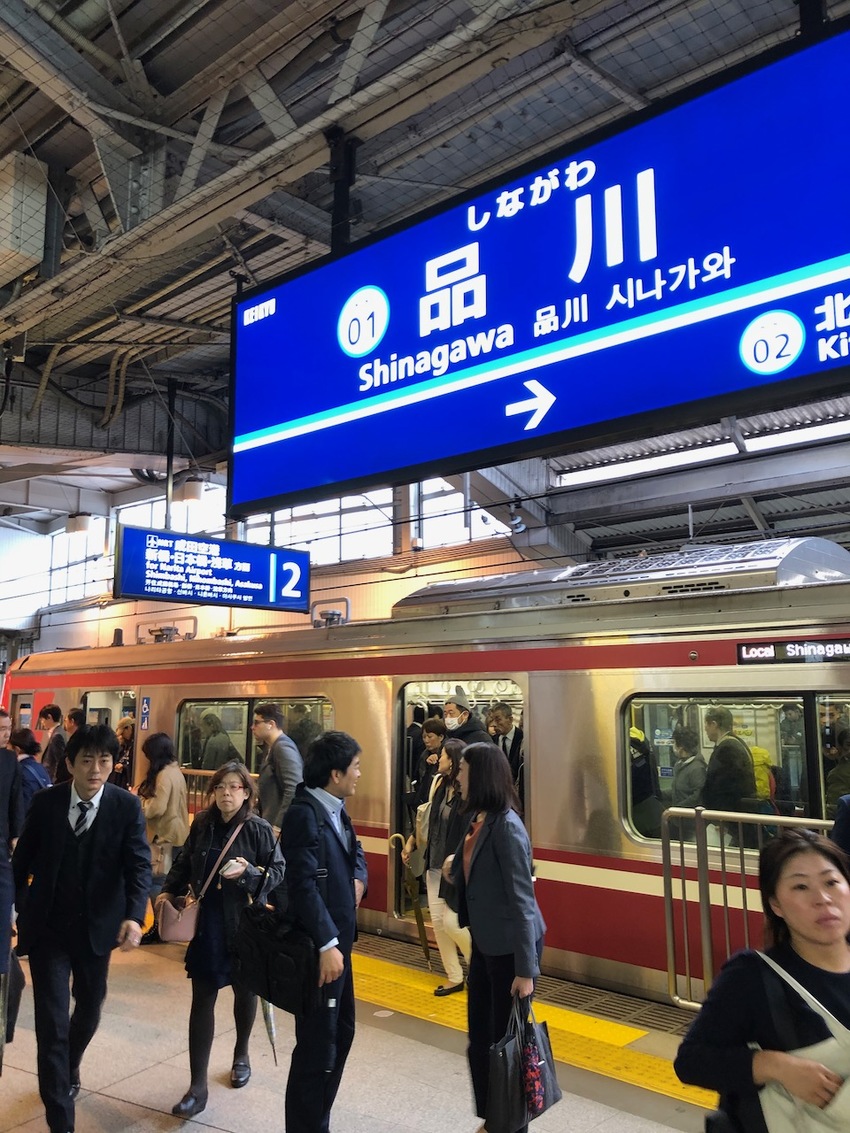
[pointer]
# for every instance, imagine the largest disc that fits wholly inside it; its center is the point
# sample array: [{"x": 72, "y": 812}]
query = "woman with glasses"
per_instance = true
[{"x": 209, "y": 957}]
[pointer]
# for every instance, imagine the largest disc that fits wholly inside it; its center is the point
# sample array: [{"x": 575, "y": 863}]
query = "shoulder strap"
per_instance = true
[
  {"x": 220, "y": 859},
  {"x": 837, "y": 1029},
  {"x": 322, "y": 872}
]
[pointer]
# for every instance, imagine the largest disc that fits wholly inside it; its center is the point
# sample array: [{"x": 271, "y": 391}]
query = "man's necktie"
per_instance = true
[
  {"x": 80, "y": 824},
  {"x": 505, "y": 744}
]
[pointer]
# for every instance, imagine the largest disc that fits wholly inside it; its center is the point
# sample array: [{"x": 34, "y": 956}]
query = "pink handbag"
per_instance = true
[{"x": 179, "y": 925}]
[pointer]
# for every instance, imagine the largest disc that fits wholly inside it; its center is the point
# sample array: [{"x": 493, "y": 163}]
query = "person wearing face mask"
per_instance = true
[{"x": 460, "y": 722}]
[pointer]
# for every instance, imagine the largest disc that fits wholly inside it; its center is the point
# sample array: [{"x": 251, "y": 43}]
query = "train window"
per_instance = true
[
  {"x": 108, "y": 706},
  {"x": 834, "y": 746},
  {"x": 209, "y": 732},
  {"x": 743, "y": 755}
]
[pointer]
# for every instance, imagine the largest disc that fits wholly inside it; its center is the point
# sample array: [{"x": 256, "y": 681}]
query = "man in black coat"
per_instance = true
[
  {"x": 325, "y": 879},
  {"x": 84, "y": 848},
  {"x": 460, "y": 721}
]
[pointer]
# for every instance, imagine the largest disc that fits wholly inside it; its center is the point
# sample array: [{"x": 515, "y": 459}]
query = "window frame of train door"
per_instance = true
[
  {"x": 250, "y": 755},
  {"x": 811, "y": 783},
  {"x": 434, "y": 690}
]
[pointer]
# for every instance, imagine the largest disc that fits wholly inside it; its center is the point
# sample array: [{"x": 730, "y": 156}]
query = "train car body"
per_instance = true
[{"x": 586, "y": 656}]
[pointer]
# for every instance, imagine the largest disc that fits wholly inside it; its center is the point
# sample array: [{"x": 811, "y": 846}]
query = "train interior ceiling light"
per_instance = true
[{"x": 666, "y": 268}]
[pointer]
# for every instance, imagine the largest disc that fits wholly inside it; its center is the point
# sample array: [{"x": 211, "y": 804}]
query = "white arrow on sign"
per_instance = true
[{"x": 538, "y": 406}]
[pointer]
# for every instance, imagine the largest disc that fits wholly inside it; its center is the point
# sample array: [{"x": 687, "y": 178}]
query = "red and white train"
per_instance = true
[{"x": 584, "y": 654}]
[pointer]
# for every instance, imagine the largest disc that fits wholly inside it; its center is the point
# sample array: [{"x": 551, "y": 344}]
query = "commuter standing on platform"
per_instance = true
[
  {"x": 53, "y": 750},
  {"x": 34, "y": 777},
  {"x": 11, "y": 821},
  {"x": 492, "y": 874},
  {"x": 227, "y": 826},
  {"x": 317, "y": 836},
  {"x": 82, "y": 873},
  {"x": 282, "y": 768},
  {"x": 74, "y": 720}
]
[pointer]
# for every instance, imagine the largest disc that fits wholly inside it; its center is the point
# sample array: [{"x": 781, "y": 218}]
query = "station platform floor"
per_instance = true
[{"x": 407, "y": 1071}]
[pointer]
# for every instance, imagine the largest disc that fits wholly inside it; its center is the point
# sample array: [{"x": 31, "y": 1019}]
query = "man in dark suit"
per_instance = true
[
  {"x": 508, "y": 736},
  {"x": 325, "y": 879},
  {"x": 11, "y": 821},
  {"x": 84, "y": 848},
  {"x": 53, "y": 750}
]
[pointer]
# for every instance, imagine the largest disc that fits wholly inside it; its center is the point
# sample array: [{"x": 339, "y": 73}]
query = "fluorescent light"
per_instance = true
[
  {"x": 628, "y": 468},
  {"x": 805, "y": 436}
]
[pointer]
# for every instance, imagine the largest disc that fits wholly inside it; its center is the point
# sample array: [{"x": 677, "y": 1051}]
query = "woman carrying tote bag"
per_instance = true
[
  {"x": 772, "y": 1036},
  {"x": 491, "y": 871}
]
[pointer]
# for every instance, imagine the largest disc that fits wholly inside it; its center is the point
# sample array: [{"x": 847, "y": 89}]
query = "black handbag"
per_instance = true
[
  {"x": 275, "y": 958},
  {"x": 507, "y": 1109},
  {"x": 277, "y": 961}
]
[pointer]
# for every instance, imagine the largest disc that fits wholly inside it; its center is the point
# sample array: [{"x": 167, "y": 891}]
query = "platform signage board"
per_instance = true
[
  {"x": 169, "y": 567},
  {"x": 701, "y": 253}
]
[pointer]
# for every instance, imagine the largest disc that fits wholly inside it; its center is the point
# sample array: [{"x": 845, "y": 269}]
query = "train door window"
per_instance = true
[
  {"x": 303, "y": 720},
  {"x": 834, "y": 749},
  {"x": 209, "y": 732},
  {"x": 108, "y": 706},
  {"x": 496, "y": 707},
  {"x": 742, "y": 755}
]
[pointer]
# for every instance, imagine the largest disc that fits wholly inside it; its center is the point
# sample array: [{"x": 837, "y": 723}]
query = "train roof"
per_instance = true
[{"x": 691, "y": 570}]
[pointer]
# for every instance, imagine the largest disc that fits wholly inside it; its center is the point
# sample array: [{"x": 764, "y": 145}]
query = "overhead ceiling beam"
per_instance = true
[
  {"x": 45, "y": 59},
  {"x": 778, "y": 473},
  {"x": 436, "y": 71}
]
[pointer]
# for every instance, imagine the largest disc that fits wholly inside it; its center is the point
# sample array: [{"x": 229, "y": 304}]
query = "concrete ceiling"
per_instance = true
[{"x": 184, "y": 143}]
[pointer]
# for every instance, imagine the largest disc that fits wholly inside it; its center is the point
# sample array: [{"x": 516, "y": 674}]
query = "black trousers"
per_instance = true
[
  {"x": 489, "y": 1005},
  {"x": 322, "y": 1043},
  {"x": 60, "y": 969}
]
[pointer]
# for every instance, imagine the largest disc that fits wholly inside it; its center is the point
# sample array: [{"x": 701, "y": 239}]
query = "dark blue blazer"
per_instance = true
[
  {"x": 119, "y": 878},
  {"x": 335, "y": 914},
  {"x": 840, "y": 833},
  {"x": 497, "y": 902}
]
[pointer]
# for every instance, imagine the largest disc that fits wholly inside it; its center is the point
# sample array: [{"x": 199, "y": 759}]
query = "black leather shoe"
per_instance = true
[
  {"x": 74, "y": 1090},
  {"x": 240, "y": 1072},
  {"x": 452, "y": 989},
  {"x": 151, "y": 937},
  {"x": 189, "y": 1105}
]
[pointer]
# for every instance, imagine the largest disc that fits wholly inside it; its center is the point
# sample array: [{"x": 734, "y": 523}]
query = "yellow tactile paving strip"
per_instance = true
[{"x": 578, "y": 1040}]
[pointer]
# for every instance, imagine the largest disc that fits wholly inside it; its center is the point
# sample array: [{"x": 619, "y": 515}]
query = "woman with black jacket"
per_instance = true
[
  {"x": 447, "y": 825},
  {"x": 754, "y": 1028},
  {"x": 209, "y": 957}
]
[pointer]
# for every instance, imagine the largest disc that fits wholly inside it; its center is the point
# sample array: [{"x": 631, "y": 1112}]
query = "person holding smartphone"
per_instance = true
[{"x": 209, "y": 957}]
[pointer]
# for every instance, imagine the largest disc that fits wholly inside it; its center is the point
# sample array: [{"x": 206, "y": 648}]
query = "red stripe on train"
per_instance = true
[{"x": 670, "y": 654}]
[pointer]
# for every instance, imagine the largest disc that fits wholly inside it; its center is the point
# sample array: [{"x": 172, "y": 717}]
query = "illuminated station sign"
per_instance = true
[
  {"x": 170, "y": 567},
  {"x": 701, "y": 255}
]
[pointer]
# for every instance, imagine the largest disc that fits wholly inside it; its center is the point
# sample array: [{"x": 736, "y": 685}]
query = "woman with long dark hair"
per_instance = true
[
  {"x": 492, "y": 874},
  {"x": 445, "y": 830},
  {"x": 165, "y": 806},
  {"x": 756, "y": 1029},
  {"x": 209, "y": 957}
]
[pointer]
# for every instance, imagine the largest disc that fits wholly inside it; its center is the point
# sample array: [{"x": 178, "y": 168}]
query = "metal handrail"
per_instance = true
[{"x": 711, "y": 858}]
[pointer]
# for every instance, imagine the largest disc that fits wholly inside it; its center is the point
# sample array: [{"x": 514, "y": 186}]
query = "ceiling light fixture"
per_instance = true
[
  {"x": 664, "y": 462},
  {"x": 807, "y": 435}
]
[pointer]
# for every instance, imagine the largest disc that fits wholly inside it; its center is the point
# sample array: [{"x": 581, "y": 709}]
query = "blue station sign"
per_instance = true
[
  {"x": 702, "y": 253},
  {"x": 169, "y": 567}
]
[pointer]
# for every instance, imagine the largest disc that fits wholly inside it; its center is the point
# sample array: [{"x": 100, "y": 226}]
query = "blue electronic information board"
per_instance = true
[
  {"x": 170, "y": 567},
  {"x": 699, "y": 254}
]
